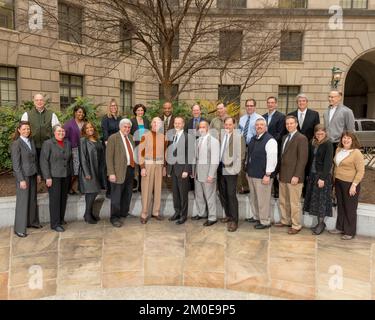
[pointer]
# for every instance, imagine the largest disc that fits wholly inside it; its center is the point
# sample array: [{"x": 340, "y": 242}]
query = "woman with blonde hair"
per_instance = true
[
  {"x": 110, "y": 125},
  {"x": 318, "y": 201}
]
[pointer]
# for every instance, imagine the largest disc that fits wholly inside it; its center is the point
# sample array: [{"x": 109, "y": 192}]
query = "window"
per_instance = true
[
  {"x": 8, "y": 86},
  {"x": 227, "y": 4},
  {"x": 70, "y": 23},
  {"x": 175, "y": 45},
  {"x": 174, "y": 92},
  {"x": 126, "y": 35},
  {"x": 229, "y": 94},
  {"x": 7, "y": 14},
  {"x": 287, "y": 98},
  {"x": 300, "y": 4},
  {"x": 230, "y": 46},
  {"x": 71, "y": 87},
  {"x": 291, "y": 46},
  {"x": 354, "y": 4},
  {"x": 126, "y": 96}
]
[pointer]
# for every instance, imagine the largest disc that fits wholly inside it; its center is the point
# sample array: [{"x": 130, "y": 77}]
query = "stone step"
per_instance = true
[{"x": 76, "y": 207}]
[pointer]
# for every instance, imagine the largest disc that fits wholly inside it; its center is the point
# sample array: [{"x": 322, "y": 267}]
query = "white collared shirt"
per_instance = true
[
  {"x": 271, "y": 151},
  {"x": 299, "y": 117},
  {"x": 225, "y": 140},
  {"x": 126, "y": 148},
  {"x": 291, "y": 137},
  {"x": 27, "y": 141},
  {"x": 178, "y": 134},
  {"x": 332, "y": 111}
]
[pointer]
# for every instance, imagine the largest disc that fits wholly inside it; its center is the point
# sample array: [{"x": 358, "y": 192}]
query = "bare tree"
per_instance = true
[{"x": 181, "y": 40}]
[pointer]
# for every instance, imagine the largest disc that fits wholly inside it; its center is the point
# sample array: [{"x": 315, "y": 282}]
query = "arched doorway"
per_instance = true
[{"x": 360, "y": 86}]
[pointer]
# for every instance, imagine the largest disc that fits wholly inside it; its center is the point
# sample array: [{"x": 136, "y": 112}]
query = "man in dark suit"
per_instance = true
[
  {"x": 120, "y": 170},
  {"x": 307, "y": 118},
  {"x": 167, "y": 117},
  {"x": 293, "y": 159},
  {"x": 276, "y": 128},
  {"x": 193, "y": 123},
  {"x": 179, "y": 169}
]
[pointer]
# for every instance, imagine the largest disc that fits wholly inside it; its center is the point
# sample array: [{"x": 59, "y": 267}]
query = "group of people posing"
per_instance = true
[{"x": 292, "y": 154}]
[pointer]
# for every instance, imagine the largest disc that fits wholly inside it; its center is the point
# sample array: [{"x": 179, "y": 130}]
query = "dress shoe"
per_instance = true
[
  {"x": 97, "y": 218},
  {"x": 196, "y": 218},
  {"x": 281, "y": 225},
  {"x": 225, "y": 220},
  {"x": 59, "y": 229},
  {"x": 293, "y": 231},
  {"x": 252, "y": 220},
  {"x": 143, "y": 220},
  {"x": 209, "y": 223},
  {"x": 20, "y": 234},
  {"x": 64, "y": 222},
  {"x": 232, "y": 226},
  {"x": 124, "y": 215},
  {"x": 36, "y": 226},
  {"x": 335, "y": 231},
  {"x": 262, "y": 226},
  {"x": 346, "y": 237},
  {"x": 174, "y": 217},
  {"x": 181, "y": 221},
  {"x": 89, "y": 219},
  {"x": 117, "y": 223},
  {"x": 159, "y": 218}
]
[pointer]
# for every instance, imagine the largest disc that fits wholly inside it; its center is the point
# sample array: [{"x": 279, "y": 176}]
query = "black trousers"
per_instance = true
[
  {"x": 58, "y": 196},
  {"x": 346, "y": 207},
  {"x": 121, "y": 195},
  {"x": 90, "y": 199},
  {"x": 26, "y": 205},
  {"x": 180, "y": 190},
  {"x": 227, "y": 185}
]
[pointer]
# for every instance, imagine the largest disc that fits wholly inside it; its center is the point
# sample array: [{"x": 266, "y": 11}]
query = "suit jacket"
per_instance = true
[
  {"x": 91, "y": 160},
  {"x": 189, "y": 124},
  {"x": 323, "y": 159},
  {"x": 311, "y": 120},
  {"x": 171, "y": 122},
  {"x": 342, "y": 120},
  {"x": 234, "y": 153},
  {"x": 116, "y": 159},
  {"x": 24, "y": 160},
  {"x": 56, "y": 162},
  {"x": 178, "y": 156},
  {"x": 206, "y": 159},
  {"x": 294, "y": 158},
  {"x": 277, "y": 126}
]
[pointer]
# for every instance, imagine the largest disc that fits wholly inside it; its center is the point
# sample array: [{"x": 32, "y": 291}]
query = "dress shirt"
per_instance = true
[
  {"x": 27, "y": 141},
  {"x": 224, "y": 144},
  {"x": 271, "y": 151},
  {"x": 126, "y": 149},
  {"x": 332, "y": 111},
  {"x": 291, "y": 134},
  {"x": 251, "y": 130},
  {"x": 303, "y": 114},
  {"x": 270, "y": 116}
]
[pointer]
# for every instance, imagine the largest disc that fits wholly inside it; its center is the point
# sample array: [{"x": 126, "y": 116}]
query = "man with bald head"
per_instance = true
[
  {"x": 41, "y": 121},
  {"x": 338, "y": 118},
  {"x": 193, "y": 123}
]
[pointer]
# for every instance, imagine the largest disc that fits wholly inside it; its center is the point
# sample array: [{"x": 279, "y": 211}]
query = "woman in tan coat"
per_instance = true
[{"x": 348, "y": 172}]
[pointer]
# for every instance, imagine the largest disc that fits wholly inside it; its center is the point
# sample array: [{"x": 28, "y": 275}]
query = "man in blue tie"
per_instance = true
[
  {"x": 193, "y": 123},
  {"x": 247, "y": 129}
]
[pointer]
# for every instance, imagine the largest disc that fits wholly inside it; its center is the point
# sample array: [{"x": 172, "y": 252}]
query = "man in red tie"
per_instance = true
[{"x": 120, "y": 168}]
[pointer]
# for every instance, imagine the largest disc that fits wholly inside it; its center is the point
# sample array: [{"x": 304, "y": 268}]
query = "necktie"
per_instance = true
[
  {"x": 195, "y": 123},
  {"x": 286, "y": 142},
  {"x": 246, "y": 129},
  {"x": 166, "y": 124},
  {"x": 130, "y": 151},
  {"x": 224, "y": 146},
  {"x": 175, "y": 141},
  {"x": 301, "y": 119}
]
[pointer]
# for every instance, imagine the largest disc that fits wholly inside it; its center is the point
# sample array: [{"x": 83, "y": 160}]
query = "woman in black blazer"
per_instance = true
[
  {"x": 25, "y": 169},
  {"x": 140, "y": 125},
  {"x": 91, "y": 171},
  {"x": 57, "y": 167},
  {"x": 318, "y": 201}
]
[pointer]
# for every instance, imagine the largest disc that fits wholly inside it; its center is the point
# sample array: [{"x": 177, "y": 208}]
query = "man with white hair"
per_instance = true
[
  {"x": 41, "y": 122},
  {"x": 307, "y": 118},
  {"x": 261, "y": 165},
  {"x": 120, "y": 169}
]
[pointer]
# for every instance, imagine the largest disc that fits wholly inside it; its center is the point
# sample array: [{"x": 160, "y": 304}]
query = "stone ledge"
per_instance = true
[{"x": 76, "y": 207}]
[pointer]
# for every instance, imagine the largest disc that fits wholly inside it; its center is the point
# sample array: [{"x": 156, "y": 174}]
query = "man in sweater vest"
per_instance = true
[
  {"x": 261, "y": 165},
  {"x": 41, "y": 122}
]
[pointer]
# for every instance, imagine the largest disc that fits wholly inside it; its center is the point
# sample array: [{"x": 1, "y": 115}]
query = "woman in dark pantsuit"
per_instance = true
[
  {"x": 57, "y": 167},
  {"x": 318, "y": 201},
  {"x": 25, "y": 169},
  {"x": 348, "y": 172},
  {"x": 91, "y": 172}
]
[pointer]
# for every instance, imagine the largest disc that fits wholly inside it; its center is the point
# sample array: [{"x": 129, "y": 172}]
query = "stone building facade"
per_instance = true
[{"x": 41, "y": 61}]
